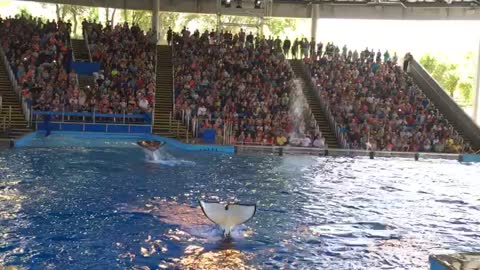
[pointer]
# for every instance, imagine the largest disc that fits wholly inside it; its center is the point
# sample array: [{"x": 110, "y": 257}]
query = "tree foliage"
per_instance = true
[
  {"x": 466, "y": 89},
  {"x": 142, "y": 18},
  {"x": 429, "y": 62},
  {"x": 447, "y": 75},
  {"x": 24, "y": 12}
]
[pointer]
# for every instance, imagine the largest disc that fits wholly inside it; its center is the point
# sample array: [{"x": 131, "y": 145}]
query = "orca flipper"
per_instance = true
[{"x": 228, "y": 216}]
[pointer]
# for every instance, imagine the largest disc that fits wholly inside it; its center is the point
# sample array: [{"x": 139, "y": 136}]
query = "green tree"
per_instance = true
[
  {"x": 451, "y": 82},
  {"x": 203, "y": 21},
  {"x": 439, "y": 73},
  {"x": 429, "y": 63},
  {"x": 142, "y": 18},
  {"x": 23, "y": 12},
  {"x": 92, "y": 14},
  {"x": 73, "y": 12},
  {"x": 466, "y": 89},
  {"x": 278, "y": 26},
  {"x": 169, "y": 19}
]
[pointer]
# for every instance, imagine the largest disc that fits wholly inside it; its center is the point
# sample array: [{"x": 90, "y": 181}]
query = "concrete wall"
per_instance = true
[{"x": 418, "y": 11}]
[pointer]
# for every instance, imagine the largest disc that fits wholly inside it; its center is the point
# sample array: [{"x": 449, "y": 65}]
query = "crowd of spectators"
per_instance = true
[
  {"x": 40, "y": 59},
  {"x": 378, "y": 106},
  {"x": 236, "y": 79},
  {"x": 126, "y": 81},
  {"x": 240, "y": 80}
]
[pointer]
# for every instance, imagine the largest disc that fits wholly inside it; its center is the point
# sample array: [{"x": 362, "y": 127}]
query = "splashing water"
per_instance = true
[
  {"x": 299, "y": 110},
  {"x": 159, "y": 156}
]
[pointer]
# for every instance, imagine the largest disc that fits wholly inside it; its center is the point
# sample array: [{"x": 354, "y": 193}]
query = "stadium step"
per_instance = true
[
  {"x": 314, "y": 104},
  {"x": 15, "y": 123},
  {"x": 80, "y": 50},
  {"x": 162, "y": 124},
  {"x": 84, "y": 81}
]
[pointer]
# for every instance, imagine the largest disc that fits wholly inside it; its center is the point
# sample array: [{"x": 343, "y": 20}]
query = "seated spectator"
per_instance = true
[
  {"x": 126, "y": 82},
  {"x": 37, "y": 52},
  {"x": 378, "y": 106},
  {"x": 221, "y": 80}
]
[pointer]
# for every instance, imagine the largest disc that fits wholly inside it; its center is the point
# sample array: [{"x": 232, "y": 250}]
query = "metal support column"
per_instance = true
[
  {"x": 315, "y": 14},
  {"x": 155, "y": 19},
  {"x": 476, "y": 95}
]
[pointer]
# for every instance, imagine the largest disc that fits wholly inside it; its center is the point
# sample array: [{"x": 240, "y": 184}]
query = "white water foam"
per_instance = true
[{"x": 159, "y": 156}]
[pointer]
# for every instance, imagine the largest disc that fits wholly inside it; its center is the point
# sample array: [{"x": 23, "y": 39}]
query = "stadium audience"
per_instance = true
[
  {"x": 126, "y": 82},
  {"x": 227, "y": 78},
  {"x": 377, "y": 104},
  {"x": 39, "y": 57}
]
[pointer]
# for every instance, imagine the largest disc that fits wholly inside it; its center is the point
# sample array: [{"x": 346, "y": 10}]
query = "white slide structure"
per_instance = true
[{"x": 229, "y": 215}]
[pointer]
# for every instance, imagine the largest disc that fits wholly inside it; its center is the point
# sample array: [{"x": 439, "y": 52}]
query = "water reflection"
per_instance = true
[
  {"x": 11, "y": 243},
  {"x": 214, "y": 252}
]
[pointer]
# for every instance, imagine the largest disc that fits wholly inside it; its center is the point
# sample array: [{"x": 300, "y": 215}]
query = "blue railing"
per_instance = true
[
  {"x": 92, "y": 122},
  {"x": 93, "y": 116}
]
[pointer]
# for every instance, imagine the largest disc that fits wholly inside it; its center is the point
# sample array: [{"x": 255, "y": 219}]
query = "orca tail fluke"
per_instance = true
[
  {"x": 150, "y": 145},
  {"x": 228, "y": 216}
]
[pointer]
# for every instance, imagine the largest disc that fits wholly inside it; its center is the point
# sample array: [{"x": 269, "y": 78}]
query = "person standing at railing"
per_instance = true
[{"x": 46, "y": 124}]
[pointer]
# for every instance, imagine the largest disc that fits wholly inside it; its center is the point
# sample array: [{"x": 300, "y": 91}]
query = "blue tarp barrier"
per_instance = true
[
  {"x": 85, "y": 68},
  {"x": 209, "y": 135}
]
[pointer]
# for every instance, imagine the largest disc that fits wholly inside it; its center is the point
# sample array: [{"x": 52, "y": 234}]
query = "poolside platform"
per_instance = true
[
  {"x": 459, "y": 261},
  {"x": 337, "y": 152}
]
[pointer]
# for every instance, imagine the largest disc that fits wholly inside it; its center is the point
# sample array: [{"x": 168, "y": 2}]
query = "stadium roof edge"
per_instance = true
[{"x": 347, "y": 9}]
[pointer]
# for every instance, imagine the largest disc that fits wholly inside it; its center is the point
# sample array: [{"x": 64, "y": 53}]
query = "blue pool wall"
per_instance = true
[
  {"x": 28, "y": 141},
  {"x": 436, "y": 265}
]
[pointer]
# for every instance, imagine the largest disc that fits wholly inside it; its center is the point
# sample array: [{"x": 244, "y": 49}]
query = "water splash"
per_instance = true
[
  {"x": 160, "y": 156},
  {"x": 299, "y": 110}
]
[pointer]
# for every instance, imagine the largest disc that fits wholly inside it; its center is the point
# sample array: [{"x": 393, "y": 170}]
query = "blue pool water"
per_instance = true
[{"x": 107, "y": 208}]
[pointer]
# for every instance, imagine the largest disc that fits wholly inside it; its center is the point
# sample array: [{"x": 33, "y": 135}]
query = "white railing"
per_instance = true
[
  {"x": 328, "y": 113},
  {"x": 85, "y": 35},
  {"x": 25, "y": 107},
  {"x": 73, "y": 60}
]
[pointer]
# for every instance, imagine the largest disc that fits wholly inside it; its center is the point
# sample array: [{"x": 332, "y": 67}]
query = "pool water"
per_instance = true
[{"x": 108, "y": 208}]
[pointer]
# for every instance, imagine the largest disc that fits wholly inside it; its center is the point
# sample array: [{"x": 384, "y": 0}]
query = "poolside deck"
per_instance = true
[{"x": 336, "y": 152}]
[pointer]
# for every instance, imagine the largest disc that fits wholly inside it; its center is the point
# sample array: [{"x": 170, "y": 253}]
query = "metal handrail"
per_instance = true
[
  {"x": 16, "y": 88},
  {"x": 85, "y": 35},
  {"x": 327, "y": 111}
]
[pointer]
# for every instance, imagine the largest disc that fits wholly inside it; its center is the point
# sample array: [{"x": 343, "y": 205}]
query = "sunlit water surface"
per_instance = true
[{"x": 113, "y": 208}]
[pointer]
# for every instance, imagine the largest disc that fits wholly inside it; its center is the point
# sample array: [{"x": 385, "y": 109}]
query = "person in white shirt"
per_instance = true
[
  {"x": 307, "y": 142},
  {"x": 202, "y": 111},
  {"x": 319, "y": 142},
  {"x": 143, "y": 103}
]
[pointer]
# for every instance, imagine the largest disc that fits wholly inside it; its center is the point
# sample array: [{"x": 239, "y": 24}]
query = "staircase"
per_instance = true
[
  {"x": 18, "y": 125},
  {"x": 164, "y": 97},
  {"x": 314, "y": 103},
  {"x": 80, "y": 50},
  {"x": 84, "y": 81}
]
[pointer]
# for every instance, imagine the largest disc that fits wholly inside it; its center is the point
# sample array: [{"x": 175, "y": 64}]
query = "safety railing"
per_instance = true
[
  {"x": 6, "y": 119},
  {"x": 337, "y": 152},
  {"x": 73, "y": 59},
  {"x": 91, "y": 117},
  {"x": 85, "y": 36},
  {"x": 13, "y": 80},
  {"x": 326, "y": 109}
]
